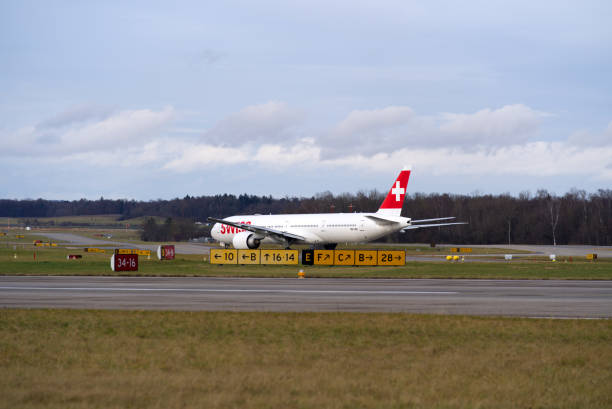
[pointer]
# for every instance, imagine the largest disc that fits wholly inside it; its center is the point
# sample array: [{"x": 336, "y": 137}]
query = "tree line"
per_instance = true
[
  {"x": 171, "y": 230},
  {"x": 576, "y": 217}
]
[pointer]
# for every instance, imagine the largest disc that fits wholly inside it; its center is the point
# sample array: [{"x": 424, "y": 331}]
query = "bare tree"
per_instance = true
[{"x": 554, "y": 205}]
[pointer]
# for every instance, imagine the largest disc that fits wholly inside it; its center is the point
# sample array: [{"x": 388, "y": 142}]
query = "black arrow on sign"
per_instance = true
[
  {"x": 244, "y": 256},
  {"x": 217, "y": 256},
  {"x": 369, "y": 257}
]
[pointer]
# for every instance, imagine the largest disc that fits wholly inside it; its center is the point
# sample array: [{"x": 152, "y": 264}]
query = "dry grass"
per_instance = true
[
  {"x": 92, "y": 220},
  {"x": 118, "y": 234},
  {"x": 75, "y": 359}
]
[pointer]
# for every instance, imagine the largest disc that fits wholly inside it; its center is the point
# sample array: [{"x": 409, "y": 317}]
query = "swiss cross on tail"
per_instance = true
[
  {"x": 392, "y": 205},
  {"x": 398, "y": 191}
]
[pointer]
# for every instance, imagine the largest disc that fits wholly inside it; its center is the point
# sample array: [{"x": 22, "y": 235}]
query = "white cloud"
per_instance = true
[
  {"x": 374, "y": 120},
  {"x": 196, "y": 157},
  {"x": 76, "y": 114},
  {"x": 74, "y": 132},
  {"x": 507, "y": 125},
  {"x": 269, "y": 122},
  {"x": 588, "y": 138},
  {"x": 534, "y": 159},
  {"x": 392, "y": 128},
  {"x": 487, "y": 142},
  {"x": 127, "y": 156},
  {"x": 298, "y": 154},
  {"x": 368, "y": 131},
  {"x": 125, "y": 128}
]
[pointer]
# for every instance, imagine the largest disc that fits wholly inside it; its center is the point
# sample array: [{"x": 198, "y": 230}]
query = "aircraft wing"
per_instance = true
[
  {"x": 264, "y": 231},
  {"x": 418, "y": 226}
]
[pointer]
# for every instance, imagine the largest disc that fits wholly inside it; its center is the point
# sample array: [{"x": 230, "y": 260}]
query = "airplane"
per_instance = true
[{"x": 322, "y": 229}]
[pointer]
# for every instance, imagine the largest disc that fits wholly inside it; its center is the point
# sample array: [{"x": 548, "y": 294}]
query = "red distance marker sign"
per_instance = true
[
  {"x": 124, "y": 262},
  {"x": 166, "y": 252}
]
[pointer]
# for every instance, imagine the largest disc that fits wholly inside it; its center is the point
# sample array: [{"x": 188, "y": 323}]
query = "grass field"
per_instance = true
[
  {"x": 52, "y": 261},
  {"x": 86, "y": 220},
  {"x": 78, "y": 359},
  {"x": 123, "y": 235}
]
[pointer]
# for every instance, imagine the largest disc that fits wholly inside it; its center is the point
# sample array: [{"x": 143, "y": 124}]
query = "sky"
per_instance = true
[{"x": 154, "y": 99}]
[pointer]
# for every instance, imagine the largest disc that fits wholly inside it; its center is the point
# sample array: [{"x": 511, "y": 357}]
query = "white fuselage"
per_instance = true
[{"x": 316, "y": 228}]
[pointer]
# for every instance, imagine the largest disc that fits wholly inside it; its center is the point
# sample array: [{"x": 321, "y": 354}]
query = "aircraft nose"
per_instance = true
[{"x": 214, "y": 231}]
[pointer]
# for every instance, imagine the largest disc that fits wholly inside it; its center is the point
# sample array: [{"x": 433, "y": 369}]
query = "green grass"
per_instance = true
[
  {"x": 85, "y": 359},
  {"x": 52, "y": 261}
]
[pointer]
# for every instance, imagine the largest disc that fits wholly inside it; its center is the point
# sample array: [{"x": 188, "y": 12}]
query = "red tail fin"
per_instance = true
[{"x": 392, "y": 205}]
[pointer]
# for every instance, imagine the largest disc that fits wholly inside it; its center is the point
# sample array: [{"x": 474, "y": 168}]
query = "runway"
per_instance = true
[{"x": 527, "y": 298}]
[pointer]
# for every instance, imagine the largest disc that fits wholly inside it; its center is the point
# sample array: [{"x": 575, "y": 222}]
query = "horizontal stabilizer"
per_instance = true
[
  {"x": 378, "y": 219},
  {"x": 418, "y": 226},
  {"x": 433, "y": 220}
]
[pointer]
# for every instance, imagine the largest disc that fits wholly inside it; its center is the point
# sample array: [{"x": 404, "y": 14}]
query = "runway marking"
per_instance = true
[{"x": 237, "y": 290}]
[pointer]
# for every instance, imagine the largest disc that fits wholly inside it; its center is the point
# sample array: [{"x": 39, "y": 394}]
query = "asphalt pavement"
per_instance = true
[
  {"x": 71, "y": 239},
  {"x": 528, "y": 298}
]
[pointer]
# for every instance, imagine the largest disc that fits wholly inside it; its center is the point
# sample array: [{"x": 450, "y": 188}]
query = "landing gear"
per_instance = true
[{"x": 287, "y": 243}]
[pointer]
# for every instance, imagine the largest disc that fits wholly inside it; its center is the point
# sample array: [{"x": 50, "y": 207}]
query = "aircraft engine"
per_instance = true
[{"x": 246, "y": 240}]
